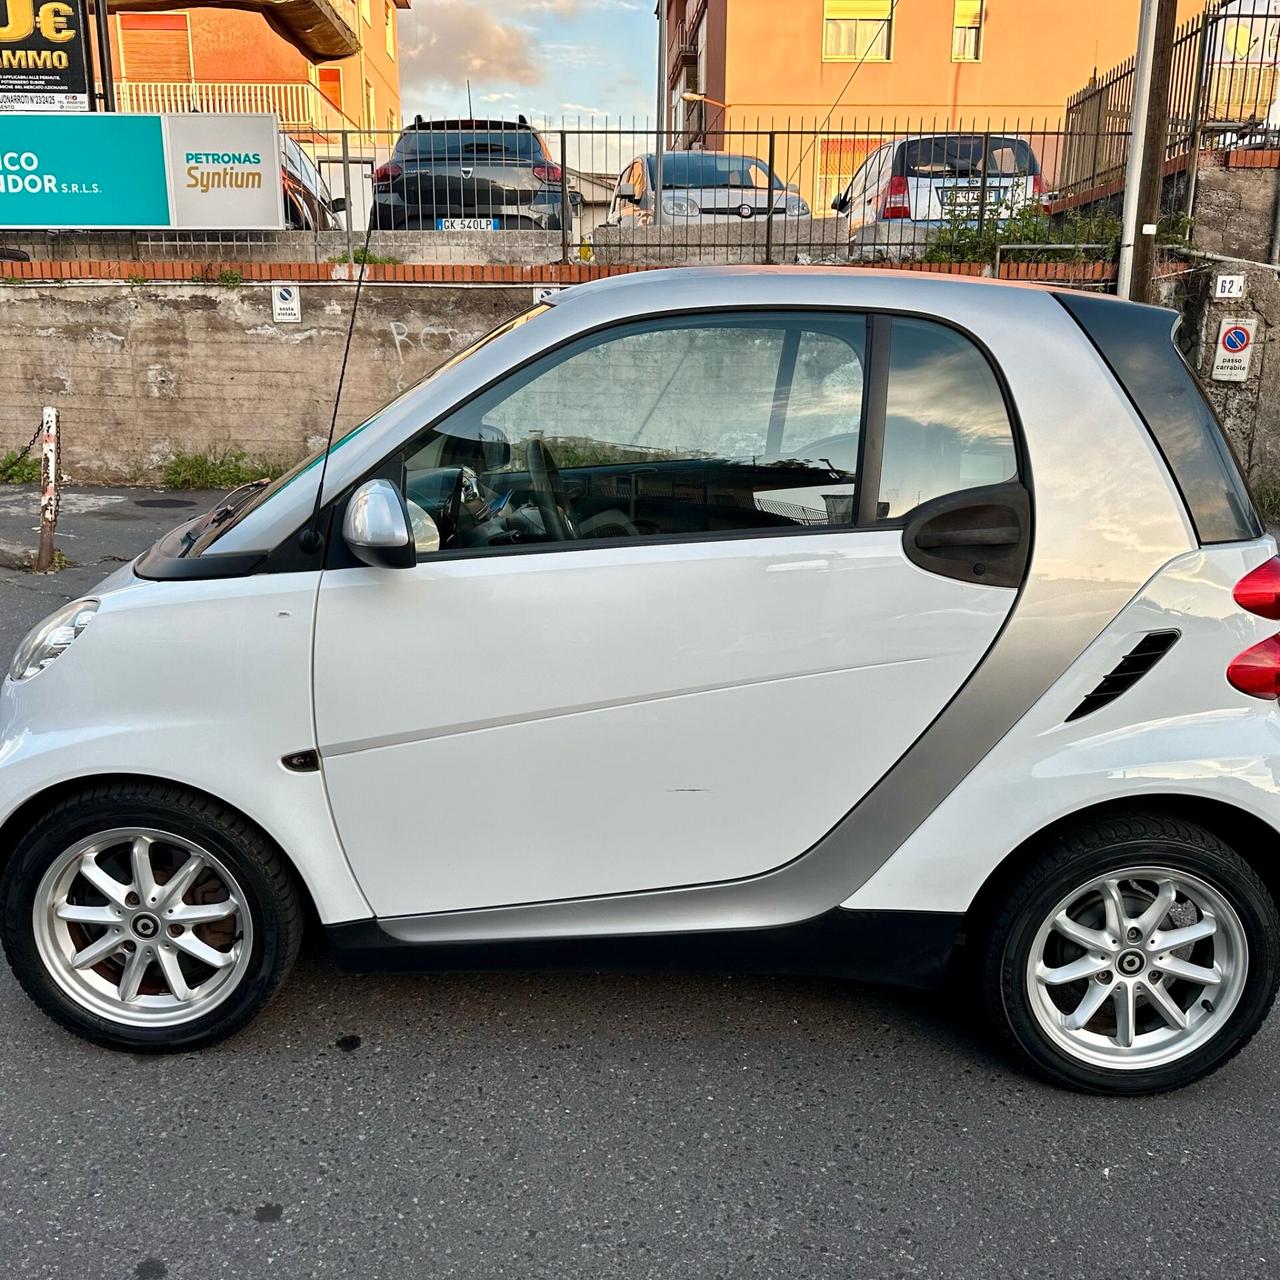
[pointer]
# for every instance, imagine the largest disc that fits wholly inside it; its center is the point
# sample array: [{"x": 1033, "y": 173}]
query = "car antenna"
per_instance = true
[{"x": 312, "y": 540}]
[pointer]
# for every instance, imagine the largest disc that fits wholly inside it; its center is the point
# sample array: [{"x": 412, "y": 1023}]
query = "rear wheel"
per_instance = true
[
  {"x": 1138, "y": 954},
  {"x": 144, "y": 917}
]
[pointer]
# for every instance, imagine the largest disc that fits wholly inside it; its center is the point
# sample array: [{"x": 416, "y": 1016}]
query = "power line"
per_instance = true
[{"x": 885, "y": 23}]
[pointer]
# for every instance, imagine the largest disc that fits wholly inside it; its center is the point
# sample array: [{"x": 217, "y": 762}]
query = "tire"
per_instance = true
[
  {"x": 1133, "y": 1043},
  {"x": 226, "y": 931}
]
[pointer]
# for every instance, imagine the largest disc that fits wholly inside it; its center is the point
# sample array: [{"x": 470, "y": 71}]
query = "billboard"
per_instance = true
[
  {"x": 125, "y": 172},
  {"x": 43, "y": 58}
]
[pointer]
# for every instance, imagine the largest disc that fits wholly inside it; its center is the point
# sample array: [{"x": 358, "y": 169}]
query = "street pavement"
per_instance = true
[{"x": 597, "y": 1126}]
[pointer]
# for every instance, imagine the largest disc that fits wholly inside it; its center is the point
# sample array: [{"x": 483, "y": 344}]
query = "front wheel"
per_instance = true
[
  {"x": 144, "y": 917},
  {"x": 1138, "y": 954}
]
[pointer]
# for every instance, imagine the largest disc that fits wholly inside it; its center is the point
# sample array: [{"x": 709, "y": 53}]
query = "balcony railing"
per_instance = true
[{"x": 297, "y": 104}]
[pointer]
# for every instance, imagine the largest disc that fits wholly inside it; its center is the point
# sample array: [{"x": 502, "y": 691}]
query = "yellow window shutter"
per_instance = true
[
  {"x": 969, "y": 13},
  {"x": 857, "y": 8}
]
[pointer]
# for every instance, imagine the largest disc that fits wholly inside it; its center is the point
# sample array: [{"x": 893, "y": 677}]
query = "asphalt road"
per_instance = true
[{"x": 629, "y": 1126}]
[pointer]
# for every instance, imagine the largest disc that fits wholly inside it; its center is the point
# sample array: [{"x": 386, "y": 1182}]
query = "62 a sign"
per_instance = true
[{"x": 43, "y": 63}]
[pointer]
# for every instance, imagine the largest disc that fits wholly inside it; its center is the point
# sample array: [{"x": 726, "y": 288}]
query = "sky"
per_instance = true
[{"x": 543, "y": 58}]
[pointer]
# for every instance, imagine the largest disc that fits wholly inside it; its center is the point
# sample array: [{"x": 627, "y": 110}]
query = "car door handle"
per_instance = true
[{"x": 1001, "y": 536}]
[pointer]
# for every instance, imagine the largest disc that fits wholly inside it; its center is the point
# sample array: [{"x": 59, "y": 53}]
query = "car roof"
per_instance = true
[{"x": 779, "y": 279}]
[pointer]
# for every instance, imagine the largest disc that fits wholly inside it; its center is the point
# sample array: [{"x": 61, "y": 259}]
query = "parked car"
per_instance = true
[
  {"x": 908, "y": 189},
  {"x": 703, "y": 188},
  {"x": 706, "y": 616},
  {"x": 469, "y": 175},
  {"x": 308, "y": 204}
]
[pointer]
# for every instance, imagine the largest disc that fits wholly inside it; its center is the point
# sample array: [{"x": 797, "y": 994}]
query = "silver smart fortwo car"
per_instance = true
[{"x": 810, "y": 620}]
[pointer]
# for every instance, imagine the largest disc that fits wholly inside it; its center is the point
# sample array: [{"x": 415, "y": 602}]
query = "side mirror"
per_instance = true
[
  {"x": 338, "y": 204},
  {"x": 376, "y": 527},
  {"x": 627, "y": 191},
  {"x": 840, "y": 203}
]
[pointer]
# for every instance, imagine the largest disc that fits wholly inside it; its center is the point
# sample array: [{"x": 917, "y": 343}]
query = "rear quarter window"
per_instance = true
[{"x": 1137, "y": 343}]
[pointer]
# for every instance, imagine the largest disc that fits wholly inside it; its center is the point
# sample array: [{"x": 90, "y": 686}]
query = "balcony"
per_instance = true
[
  {"x": 298, "y": 104},
  {"x": 315, "y": 27}
]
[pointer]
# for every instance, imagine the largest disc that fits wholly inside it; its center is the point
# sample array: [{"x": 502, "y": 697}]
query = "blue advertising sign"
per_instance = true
[{"x": 72, "y": 171}]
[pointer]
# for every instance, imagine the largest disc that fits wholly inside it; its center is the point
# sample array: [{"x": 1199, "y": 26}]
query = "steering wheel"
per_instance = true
[{"x": 549, "y": 493}]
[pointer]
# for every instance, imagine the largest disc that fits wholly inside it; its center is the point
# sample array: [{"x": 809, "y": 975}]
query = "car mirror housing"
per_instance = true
[
  {"x": 377, "y": 528},
  {"x": 627, "y": 191}
]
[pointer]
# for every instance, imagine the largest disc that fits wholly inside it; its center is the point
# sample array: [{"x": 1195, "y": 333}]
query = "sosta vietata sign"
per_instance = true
[
  {"x": 121, "y": 172},
  {"x": 42, "y": 56}
]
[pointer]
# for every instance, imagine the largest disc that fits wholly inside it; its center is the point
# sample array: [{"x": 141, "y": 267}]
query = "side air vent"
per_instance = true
[{"x": 1133, "y": 666}]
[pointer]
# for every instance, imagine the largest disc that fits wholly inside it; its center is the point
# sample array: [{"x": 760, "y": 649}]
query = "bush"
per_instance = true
[
  {"x": 1266, "y": 494},
  {"x": 368, "y": 257},
  {"x": 226, "y": 470},
  {"x": 15, "y": 471}
]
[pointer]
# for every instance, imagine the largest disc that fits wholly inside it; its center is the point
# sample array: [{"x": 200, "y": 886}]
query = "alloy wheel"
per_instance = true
[
  {"x": 142, "y": 926},
  {"x": 1137, "y": 968}
]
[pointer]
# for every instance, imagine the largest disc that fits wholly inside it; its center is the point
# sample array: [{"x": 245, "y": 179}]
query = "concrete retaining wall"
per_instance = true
[{"x": 141, "y": 373}]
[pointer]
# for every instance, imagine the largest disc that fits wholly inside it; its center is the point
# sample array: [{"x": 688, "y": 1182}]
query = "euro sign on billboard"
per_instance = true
[{"x": 43, "y": 56}]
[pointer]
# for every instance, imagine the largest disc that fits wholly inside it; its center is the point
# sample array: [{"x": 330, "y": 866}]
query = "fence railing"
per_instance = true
[
  {"x": 297, "y": 104},
  {"x": 1225, "y": 73}
]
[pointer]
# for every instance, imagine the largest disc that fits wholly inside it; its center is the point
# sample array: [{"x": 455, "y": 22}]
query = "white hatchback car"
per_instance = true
[
  {"x": 816, "y": 621},
  {"x": 909, "y": 190}
]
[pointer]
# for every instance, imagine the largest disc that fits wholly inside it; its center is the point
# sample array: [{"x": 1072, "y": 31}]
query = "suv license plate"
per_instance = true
[{"x": 466, "y": 224}]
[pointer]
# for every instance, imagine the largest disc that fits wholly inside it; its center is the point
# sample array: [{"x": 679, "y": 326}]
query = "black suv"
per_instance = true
[{"x": 468, "y": 175}]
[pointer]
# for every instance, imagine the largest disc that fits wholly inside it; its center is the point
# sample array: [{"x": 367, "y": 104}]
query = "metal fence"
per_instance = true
[
  {"x": 983, "y": 195},
  {"x": 1222, "y": 93}
]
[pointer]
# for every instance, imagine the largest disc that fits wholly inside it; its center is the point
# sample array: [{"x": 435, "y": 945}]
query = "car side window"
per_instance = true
[
  {"x": 671, "y": 428},
  {"x": 947, "y": 425}
]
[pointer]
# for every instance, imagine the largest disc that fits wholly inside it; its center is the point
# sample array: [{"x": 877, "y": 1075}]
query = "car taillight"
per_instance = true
[
  {"x": 1259, "y": 590},
  {"x": 897, "y": 199},
  {"x": 1257, "y": 671},
  {"x": 385, "y": 174},
  {"x": 547, "y": 172}
]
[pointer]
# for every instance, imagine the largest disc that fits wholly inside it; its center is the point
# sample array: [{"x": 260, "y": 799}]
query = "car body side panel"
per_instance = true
[
  {"x": 1181, "y": 730},
  {"x": 576, "y": 723},
  {"x": 205, "y": 684}
]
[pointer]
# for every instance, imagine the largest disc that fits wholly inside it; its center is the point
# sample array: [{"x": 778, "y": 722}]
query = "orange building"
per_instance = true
[
  {"x": 924, "y": 65},
  {"x": 334, "y": 66}
]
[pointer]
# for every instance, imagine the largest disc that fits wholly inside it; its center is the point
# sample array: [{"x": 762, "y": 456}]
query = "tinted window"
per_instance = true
[
  {"x": 502, "y": 145},
  {"x": 1137, "y": 342},
  {"x": 707, "y": 169},
  {"x": 965, "y": 155},
  {"x": 947, "y": 427},
  {"x": 667, "y": 428}
]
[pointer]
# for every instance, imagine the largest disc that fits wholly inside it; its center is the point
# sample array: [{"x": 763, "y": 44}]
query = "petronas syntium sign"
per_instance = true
[{"x": 43, "y": 55}]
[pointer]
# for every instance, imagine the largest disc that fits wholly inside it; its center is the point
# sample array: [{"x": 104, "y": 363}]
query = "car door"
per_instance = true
[{"x": 683, "y": 616}]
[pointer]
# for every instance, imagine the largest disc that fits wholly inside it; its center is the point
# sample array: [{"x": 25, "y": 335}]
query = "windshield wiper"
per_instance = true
[{"x": 235, "y": 500}]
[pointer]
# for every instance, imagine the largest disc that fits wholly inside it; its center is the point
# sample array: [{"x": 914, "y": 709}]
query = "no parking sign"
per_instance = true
[{"x": 1234, "y": 355}]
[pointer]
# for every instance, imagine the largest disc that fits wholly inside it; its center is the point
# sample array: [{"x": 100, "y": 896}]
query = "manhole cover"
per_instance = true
[{"x": 164, "y": 502}]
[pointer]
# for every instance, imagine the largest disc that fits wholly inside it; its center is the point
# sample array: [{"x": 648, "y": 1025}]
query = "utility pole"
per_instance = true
[
  {"x": 1137, "y": 145},
  {"x": 662, "y": 112},
  {"x": 1155, "y": 149},
  {"x": 102, "y": 28}
]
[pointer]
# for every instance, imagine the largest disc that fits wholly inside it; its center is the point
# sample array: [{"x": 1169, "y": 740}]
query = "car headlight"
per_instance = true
[
  {"x": 680, "y": 206},
  {"x": 796, "y": 207},
  {"x": 51, "y": 638}
]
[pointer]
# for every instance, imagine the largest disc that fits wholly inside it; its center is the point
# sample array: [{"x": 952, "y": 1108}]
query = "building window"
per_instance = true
[
  {"x": 857, "y": 30},
  {"x": 966, "y": 34},
  {"x": 370, "y": 119},
  {"x": 389, "y": 27},
  {"x": 330, "y": 81}
]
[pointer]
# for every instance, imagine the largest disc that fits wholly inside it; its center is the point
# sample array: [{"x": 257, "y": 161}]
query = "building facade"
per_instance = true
[
  {"x": 952, "y": 61},
  {"x": 337, "y": 67},
  {"x": 830, "y": 79}
]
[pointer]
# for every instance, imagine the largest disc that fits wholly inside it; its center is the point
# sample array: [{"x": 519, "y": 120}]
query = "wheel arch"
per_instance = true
[
  {"x": 1254, "y": 839},
  {"x": 30, "y": 810}
]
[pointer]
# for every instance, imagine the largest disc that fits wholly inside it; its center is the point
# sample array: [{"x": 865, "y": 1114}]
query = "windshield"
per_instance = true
[
  {"x": 961, "y": 155},
  {"x": 211, "y": 528},
  {"x": 707, "y": 169},
  {"x": 456, "y": 144}
]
